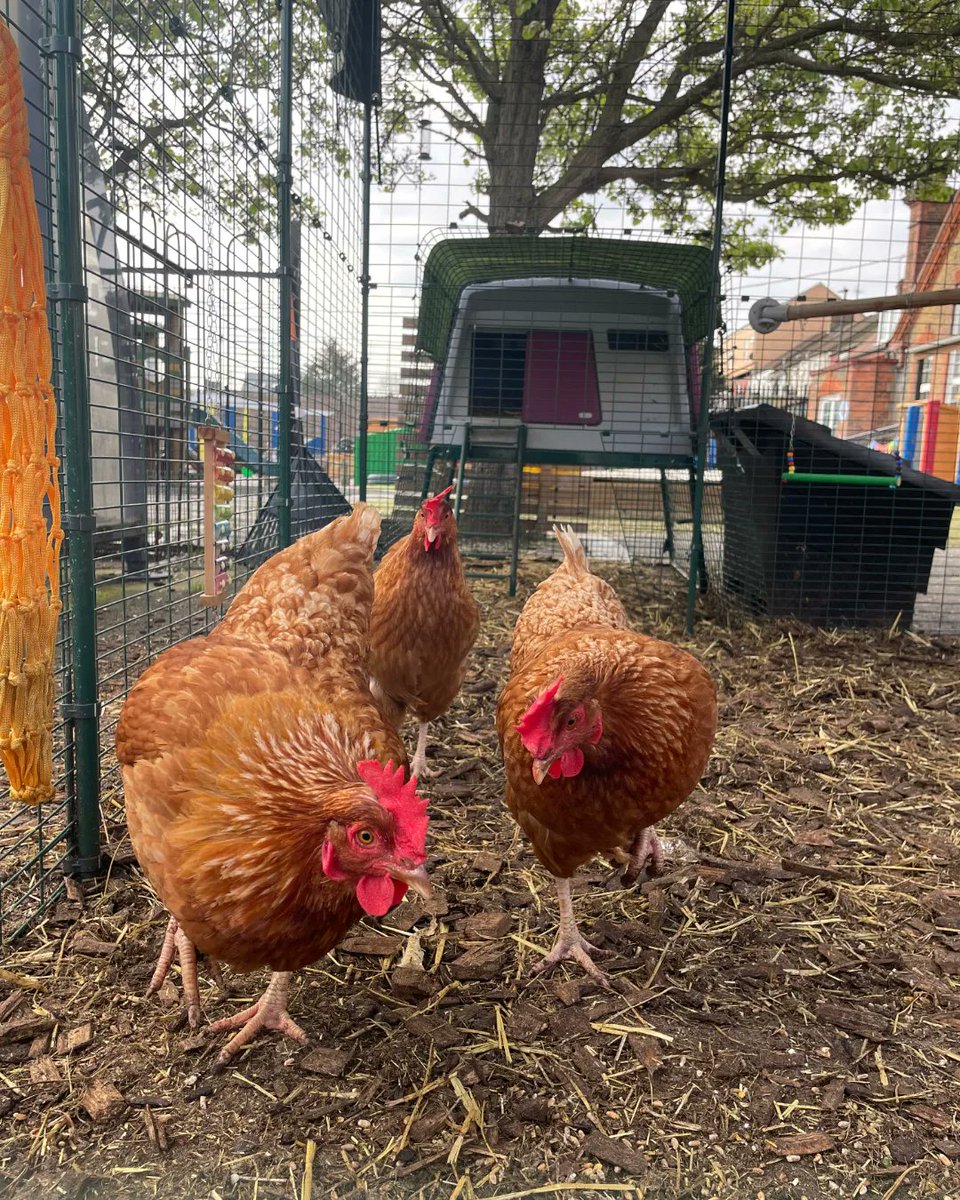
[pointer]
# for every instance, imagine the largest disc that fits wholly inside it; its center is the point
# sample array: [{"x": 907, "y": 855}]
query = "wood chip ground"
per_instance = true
[{"x": 785, "y": 1020}]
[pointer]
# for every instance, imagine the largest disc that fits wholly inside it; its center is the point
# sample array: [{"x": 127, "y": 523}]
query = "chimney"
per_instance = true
[{"x": 926, "y": 217}]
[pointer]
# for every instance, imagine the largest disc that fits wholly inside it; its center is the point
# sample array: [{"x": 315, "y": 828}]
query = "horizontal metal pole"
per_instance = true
[
  {"x": 188, "y": 274},
  {"x": 890, "y": 481},
  {"x": 769, "y": 314},
  {"x": 243, "y": 274}
]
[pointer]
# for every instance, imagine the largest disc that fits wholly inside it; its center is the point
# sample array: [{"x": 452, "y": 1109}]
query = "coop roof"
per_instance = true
[{"x": 457, "y": 263}]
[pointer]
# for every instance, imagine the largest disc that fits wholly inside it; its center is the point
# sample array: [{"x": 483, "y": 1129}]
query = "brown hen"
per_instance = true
[
  {"x": 603, "y": 733},
  {"x": 424, "y": 623},
  {"x": 256, "y": 797}
]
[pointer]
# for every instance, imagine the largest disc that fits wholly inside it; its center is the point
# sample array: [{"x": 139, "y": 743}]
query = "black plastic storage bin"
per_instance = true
[{"x": 830, "y": 554}]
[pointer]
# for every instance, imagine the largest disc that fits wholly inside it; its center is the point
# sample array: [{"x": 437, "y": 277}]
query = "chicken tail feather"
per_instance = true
[
  {"x": 574, "y": 555},
  {"x": 364, "y": 526}
]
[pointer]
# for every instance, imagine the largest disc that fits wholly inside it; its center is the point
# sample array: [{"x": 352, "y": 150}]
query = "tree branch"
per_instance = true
[
  {"x": 850, "y": 71},
  {"x": 447, "y": 26},
  {"x": 151, "y": 135},
  {"x": 666, "y": 181}
]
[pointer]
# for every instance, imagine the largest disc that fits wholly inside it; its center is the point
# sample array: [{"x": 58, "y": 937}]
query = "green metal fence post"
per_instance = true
[
  {"x": 364, "y": 417},
  {"x": 285, "y": 220},
  {"x": 79, "y": 522},
  {"x": 703, "y": 417}
]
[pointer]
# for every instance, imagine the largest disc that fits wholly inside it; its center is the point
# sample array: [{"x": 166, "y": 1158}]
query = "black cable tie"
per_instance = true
[
  {"x": 68, "y": 291},
  {"x": 60, "y": 43},
  {"x": 78, "y": 522}
]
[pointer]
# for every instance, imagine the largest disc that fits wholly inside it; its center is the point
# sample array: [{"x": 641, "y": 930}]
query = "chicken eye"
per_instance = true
[
  {"x": 571, "y": 721},
  {"x": 365, "y": 837}
]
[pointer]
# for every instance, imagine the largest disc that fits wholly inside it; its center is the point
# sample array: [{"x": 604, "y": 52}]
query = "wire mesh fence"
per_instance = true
[
  {"x": 834, "y": 550},
  {"x": 177, "y": 118},
  {"x": 539, "y": 345}
]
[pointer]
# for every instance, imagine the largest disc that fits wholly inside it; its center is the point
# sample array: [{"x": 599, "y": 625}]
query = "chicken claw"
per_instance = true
[
  {"x": 570, "y": 943},
  {"x": 269, "y": 1012},
  {"x": 645, "y": 846}
]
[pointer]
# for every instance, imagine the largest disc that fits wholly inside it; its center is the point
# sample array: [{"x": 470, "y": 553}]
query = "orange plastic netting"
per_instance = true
[{"x": 29, "y": 537}]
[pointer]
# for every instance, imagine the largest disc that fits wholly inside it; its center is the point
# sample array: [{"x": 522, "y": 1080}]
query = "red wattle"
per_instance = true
[
  {"x": 399, "y": 891},
  {"x": 376, "y": 894},
  {"x": 555, "y": 770},
  {"x": 571, "y": 763}
]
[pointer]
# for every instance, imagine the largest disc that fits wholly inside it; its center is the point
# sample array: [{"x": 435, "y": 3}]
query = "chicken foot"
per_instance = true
[
  {"x": 570, "y": 942},
  {"x": 419, "y": 765},
  {"x": 269, "y": 1012},
  {"x": 645, "y": 846},
  {"x": 176, "y": 943}
]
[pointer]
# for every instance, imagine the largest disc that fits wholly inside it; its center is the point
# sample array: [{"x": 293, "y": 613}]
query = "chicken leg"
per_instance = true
[
  {"x": 176, "y": 943},
  {"x": 419, "y": 765},
  {"x": 645, "y": 846},
  {"x": 570, "y": 943},
  {"x": 269, "y": 1012}
]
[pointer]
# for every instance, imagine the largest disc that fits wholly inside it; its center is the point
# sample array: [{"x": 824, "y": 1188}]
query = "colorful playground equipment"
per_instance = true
[
  {"x": 930, "y": 439},
  {"x": 218, "y": 477}
]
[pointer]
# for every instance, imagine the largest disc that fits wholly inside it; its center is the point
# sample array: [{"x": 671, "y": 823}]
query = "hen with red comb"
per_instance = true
[
  {"x": 262, "y": 798},
  {"x": 424, "y": 623},
  {"x": 603, "y": 733}
]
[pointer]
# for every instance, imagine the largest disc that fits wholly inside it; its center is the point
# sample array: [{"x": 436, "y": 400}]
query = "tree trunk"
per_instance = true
[{"x": 513, "y": 127}]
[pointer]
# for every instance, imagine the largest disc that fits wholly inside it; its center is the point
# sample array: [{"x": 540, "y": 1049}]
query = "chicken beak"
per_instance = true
[
  {"x": 541, "y": 768},
  {"x": 416, "y": 878},
  {"x": 431, "y": 535}
]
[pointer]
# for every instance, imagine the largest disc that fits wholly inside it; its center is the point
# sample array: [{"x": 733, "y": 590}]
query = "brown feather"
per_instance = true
[
  {"x": 568, "y": 599},
  {"x": 424, "y": 624},
  {"x": 239, "y": 749},
  {"x": 659, "y": 714}
]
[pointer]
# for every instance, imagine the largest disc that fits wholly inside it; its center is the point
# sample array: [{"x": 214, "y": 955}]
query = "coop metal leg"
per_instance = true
[
  {"x": 517, "y": 508},
  {"x": 461, "y": 465},
  {"x": 701, "y": 559},
  {"x": 668, "y": 544}
]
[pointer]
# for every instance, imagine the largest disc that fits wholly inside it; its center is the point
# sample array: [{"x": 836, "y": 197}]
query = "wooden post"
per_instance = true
[{"x": 767, "y": 315}]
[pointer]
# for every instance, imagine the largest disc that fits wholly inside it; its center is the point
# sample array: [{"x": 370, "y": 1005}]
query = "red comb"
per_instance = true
[
  {"x": 532, "y": 726},
  {"x": 409, "y": 810},
  {"x": 433, "y": 505}
]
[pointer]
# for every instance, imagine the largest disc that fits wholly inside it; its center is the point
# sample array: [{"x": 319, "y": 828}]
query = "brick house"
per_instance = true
[
  {"x": 853, "y": 391},
  {"x": 926, "y": 341},
  {"x": 753, "y": 360}
]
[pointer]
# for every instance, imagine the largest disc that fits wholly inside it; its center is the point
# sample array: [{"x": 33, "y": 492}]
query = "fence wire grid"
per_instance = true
[
  {"x": 179, "y": 134},
  {"x": 226, "y": 283}
]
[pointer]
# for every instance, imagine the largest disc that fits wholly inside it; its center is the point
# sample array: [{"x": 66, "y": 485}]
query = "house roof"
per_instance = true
[
  {"x": 750, "y": 352},
  {"x": 457, "y": 263},
  {"x": 947, "y": 235},
  {"x": 848, "y": 339}
]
